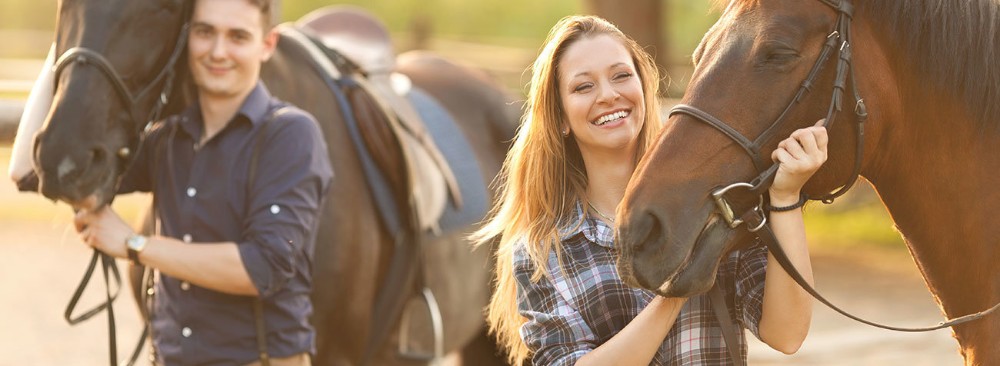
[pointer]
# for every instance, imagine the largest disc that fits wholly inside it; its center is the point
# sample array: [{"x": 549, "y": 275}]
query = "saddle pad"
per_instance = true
[{"x": 459, "y": 155}]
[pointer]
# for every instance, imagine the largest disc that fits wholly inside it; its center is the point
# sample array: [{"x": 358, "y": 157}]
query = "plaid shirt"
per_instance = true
[{"x": 583, "y": 304}]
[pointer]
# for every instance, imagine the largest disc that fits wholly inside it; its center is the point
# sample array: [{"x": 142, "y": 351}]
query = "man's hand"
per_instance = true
[{"x": 103, "y": 230}]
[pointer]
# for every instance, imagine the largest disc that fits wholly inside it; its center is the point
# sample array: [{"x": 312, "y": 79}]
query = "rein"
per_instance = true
[
  {"x": 755, "y": 216},
  {"x": 82, "y": 56}
]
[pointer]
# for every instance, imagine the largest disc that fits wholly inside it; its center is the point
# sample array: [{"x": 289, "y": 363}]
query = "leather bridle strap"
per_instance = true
[
  {"x": 757, "y": 187},
  {"x": 754, "y": 216},
  {"x": 769, "y": 240},
  {"x": 84, "y": 56},
  {"x": 729, "y": 328}
]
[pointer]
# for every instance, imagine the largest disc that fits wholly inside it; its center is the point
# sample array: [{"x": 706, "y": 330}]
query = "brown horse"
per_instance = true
[
  {"x": 94, "y": 123},
  {"x": 928, "y": 73}
]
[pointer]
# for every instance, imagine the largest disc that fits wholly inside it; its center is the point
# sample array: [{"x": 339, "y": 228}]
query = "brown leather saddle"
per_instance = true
[{"x": 364, "y": 40}]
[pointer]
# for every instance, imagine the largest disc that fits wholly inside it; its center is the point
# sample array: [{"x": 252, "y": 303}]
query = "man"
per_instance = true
[{"x": 227, "y": 237}]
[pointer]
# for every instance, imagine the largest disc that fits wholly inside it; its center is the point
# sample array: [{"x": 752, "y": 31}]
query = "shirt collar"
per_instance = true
[
  {"x": 256, "y": 105},
  {"x": 593, "y": 229},
  {"x": 254, "y": 109}
]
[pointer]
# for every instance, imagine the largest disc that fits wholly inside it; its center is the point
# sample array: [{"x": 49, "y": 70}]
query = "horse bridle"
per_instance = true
[
  {"x": 81, "y": 56},
  {"x": 753, "y": 191},
  {"x": 757, "y": 186}
]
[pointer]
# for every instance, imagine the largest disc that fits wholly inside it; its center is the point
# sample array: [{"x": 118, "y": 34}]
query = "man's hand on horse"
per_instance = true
[{"x": 103, "y": 230}]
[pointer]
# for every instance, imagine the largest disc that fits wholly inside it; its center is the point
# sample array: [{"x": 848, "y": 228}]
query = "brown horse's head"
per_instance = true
[
  {"x": 104, "y": 96},
  {"x": 748, "y": 68}
]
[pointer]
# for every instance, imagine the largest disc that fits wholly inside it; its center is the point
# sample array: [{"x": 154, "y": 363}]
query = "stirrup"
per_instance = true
[{"x": 437, "y": 327}]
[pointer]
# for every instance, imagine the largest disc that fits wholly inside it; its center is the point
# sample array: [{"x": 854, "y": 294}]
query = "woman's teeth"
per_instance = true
[{"x": 610, "y": 117}]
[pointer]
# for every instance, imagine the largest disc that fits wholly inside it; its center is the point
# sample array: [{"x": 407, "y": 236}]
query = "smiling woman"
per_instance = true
[{"x": 592, "y": 113}]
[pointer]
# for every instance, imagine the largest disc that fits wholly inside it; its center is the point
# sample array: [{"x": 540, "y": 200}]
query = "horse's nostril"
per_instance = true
[
  {"x": 655, "y": 233},
  {"x": 644, "y": 229},
  {"x": 98, "y": 156}
]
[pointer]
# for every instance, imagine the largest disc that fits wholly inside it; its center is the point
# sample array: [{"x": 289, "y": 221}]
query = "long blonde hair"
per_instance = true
[{"x": 544, "y": 176}]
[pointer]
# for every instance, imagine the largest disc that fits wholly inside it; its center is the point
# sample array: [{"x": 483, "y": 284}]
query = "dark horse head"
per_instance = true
[
  {"x": 746, "y": 95},
  {"x": 108, "y": 97}
]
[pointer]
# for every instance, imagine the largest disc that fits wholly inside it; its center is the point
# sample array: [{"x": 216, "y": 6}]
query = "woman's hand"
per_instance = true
[{"x": 798, "y": 157}]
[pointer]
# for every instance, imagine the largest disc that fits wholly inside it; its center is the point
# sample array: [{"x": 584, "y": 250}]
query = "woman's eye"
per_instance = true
[
  {"x": 582, "y": 88},
  {"x": 623, "y": 76}
]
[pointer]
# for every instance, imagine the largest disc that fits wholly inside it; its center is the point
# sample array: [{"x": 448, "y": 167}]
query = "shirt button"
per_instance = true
[
  {"x": 187, "y": 238},
  {"x": 191, "y": 191},
  {"x": 186, "y": 332},
  {"x": 185, "y": 285},
  {"x": 275, "y": 209}
]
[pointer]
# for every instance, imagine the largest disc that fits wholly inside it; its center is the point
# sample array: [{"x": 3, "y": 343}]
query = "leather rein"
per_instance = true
[
  {"x": 755, "y": 216},
  {"x": 82, "y": 56}
]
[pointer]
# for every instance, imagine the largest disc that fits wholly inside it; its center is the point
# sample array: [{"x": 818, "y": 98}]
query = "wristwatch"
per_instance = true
[{"x": 135, "y": 243}]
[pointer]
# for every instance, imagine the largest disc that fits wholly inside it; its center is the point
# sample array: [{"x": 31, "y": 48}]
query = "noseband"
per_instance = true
[{"x": 755, "y": 216}]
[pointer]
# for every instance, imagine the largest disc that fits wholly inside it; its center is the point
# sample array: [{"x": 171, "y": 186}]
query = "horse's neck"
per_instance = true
[{"x": 936, "y": 173}]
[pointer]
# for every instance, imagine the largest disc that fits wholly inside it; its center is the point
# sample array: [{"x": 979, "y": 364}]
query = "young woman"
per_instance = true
[{"x": 592, "y": 112}]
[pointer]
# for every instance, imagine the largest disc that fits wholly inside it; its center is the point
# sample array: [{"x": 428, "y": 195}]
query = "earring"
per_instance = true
[{"x": 565, "y": 132}]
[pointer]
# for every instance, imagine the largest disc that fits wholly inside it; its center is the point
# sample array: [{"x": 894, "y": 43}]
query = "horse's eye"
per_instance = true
[{"x": 782, "y": 57}]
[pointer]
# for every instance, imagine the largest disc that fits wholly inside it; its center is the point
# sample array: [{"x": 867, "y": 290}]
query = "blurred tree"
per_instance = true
[{"x": 640, "y": 19}]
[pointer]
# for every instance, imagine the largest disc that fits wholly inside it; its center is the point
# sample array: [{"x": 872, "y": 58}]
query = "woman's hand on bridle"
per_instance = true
[{"x": 798, "y": 157}]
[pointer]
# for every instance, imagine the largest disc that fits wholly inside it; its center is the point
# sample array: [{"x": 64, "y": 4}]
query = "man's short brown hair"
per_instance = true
[{"x": 265, "y": 12}]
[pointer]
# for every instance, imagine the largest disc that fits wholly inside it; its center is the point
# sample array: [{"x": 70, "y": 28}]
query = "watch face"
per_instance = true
[{"x": 136, "y": 242}]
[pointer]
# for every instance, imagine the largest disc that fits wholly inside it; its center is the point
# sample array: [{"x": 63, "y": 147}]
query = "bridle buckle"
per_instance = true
[{"x": 727, "y": 210}]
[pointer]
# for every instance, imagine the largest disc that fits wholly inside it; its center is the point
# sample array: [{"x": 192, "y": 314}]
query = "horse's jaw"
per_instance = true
[{"x": 675, "y": 269}]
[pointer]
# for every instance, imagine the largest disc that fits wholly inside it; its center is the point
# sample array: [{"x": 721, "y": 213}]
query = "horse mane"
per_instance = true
[{"x": 953, "y": 44}]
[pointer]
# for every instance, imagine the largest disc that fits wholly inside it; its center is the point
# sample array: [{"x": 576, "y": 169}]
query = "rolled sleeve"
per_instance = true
[
  {"x": 751, "y": 270},
  {"x": 555, "y": 332},
  {"x": 292, "y": 177}
]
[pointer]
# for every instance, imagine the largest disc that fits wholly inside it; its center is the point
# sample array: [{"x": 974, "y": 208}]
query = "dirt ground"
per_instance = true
[{"x": 41, "y": 260}]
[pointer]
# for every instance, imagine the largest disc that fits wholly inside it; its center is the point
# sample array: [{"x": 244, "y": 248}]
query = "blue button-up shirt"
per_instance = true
[{"x": 201, "y": 195}]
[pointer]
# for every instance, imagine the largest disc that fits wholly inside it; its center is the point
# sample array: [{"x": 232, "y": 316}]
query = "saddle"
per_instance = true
[{"x": 364, "y": 41}]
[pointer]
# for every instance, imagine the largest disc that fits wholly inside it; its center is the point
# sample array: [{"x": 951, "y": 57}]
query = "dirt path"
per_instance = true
[{"x": 876, "y": 285}]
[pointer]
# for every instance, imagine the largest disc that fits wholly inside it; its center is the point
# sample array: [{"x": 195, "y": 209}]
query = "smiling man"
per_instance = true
[{"x": 234, "y": 248}]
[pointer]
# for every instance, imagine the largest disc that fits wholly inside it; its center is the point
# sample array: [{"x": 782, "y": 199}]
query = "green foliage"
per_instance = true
[
  {"x": 457, "y": 18},
  {"x": 867, "y": 224},
  {"x": 519, "y": 23},
  {"x": 687, "y": 22}
]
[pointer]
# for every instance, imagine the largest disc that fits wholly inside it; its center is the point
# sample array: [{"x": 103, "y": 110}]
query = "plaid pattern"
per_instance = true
[{"x": 585, "y": 303}]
